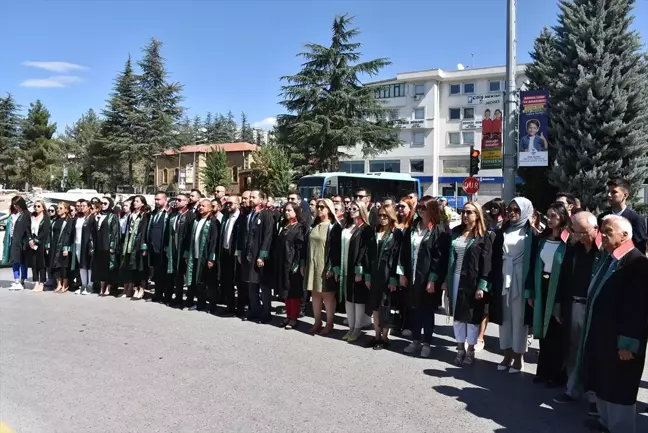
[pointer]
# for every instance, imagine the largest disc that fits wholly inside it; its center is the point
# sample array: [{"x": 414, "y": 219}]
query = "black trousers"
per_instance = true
[
  {"x": 260, "y": 302},
  {"x": 551, "y": 361},
  {"x": 39, "y": 275},
  {"x": 178, "y": 282},
  {"x": 229, "y": 270},
  {"x": 160, "y": 278},
  {"x": 196, "y": 291}
]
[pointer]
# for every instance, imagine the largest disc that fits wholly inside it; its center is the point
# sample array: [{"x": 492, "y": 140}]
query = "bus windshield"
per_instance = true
[{"x": 379, "y": 185}]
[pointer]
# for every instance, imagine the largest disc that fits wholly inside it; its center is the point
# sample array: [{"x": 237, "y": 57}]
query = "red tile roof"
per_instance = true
[{"x": 206, "y": 148}]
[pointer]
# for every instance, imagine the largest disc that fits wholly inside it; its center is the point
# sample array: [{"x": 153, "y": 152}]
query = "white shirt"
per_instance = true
[
  {"x": 229, "y": 228},
  {"x": 417, "y": 238},
  {"x": 14, "y": 218},
  {"x": 201, "y": 223},
  {"x": 78, "y": 229},
  {"x": 35, "y": 222},
  {"x": 100, "y": 219},
  {"x": 547, "y": 254}
]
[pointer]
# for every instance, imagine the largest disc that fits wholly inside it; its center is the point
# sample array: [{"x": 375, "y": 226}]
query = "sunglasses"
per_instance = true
[
  {"x": 360, "y": 196},
  {"x": 382, "y": 215},
  {"x": 354, "y": 209},
  {"x": 104, "y": 203},
  {"x": 51, "y": 210},
  {"x": 321, "y": 207},
  {"x": 38, "y": 206},
  {"x": 514, "y": 209}
]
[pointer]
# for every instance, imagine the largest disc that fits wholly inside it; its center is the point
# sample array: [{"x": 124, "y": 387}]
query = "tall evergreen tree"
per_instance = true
[
  {"x": 273, "y": 170},
  {"x": 159, "y": 109},
  {"x": 329, "y": 108},
  {"x": 216, "y": 171},
  {"x": 246, "y": 130},
  {"x": 599, "y": 99},
  {"x": 541, "y": 73},
  {"x": 37, "y": 150},
  {"x": 123, "y": 136},
  {"x": 85, "y": 142},
  {"x": 10, "y": 121},
  {"x": 230, "y": 128}
]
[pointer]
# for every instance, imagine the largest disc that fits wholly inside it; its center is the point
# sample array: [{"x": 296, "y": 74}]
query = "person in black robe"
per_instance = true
[
  {"x": 177, "y": 234},
  {"x": 40, "y": 236},
  {"x": 18, "y": 232},
  {"x": 200, "y": 256},
  {"x": 613, "y": 351},
  {"x": 59, "y": 247},
  {"x": 106, "y": 236},
  {"x": 466, "y": 282},
  {"x": 423, "y": 264},
  {"x": 287, "y": 250},
  {"x": 383, "y": 295},
  {"x": 228, "y": 268},
  {"x": 82, "y": 245},
  {"x": 134, "y": 265},
  {"x": 154, "y": 246},
  {"x": 352, "y": 267},
  {"x": 253, "y": 249}
]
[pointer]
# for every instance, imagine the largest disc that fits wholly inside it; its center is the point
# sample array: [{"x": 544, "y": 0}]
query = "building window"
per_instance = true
[
  {"x": 417, "y": 166},
  {"x": 235, "y": 174},
  {"x": 419, "y": 89},
  {"x": 176, "y": 175},
  {"x": 419, "y": 114},
  {"x": 455, "y": 114},
  {"x": 469, "y": 88},
  {"x": 468, "y": 113},
  {"x": 352, "y": 166},
  {"x": 390, "y": 91},
  {"x": 455, "y": 89},
  {"x": 454, "y": 138},
  {"x": 418, "y": 138},
  {"x": 494, "y": 86},
  {"x": 454, "y": 166},
  {"x": 389, "y": 166},
  {"x": 165, "y": 176},
  {"x": 468, "y": 137}
]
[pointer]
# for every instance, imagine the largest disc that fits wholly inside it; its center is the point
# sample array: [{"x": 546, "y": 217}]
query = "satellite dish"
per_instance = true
[{"x": 460, "y": 67}]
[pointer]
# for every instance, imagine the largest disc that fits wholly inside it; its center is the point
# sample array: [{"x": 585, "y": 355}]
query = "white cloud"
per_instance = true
[
  {"x": 60, "y": 67},
  {"x": 267, "y": 123},
  {"x": 55, "y": 81}
]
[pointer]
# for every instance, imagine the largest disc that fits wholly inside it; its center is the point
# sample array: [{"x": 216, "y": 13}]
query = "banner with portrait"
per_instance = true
[
  {"x": 488, "y": 117},
  {"x": 533, "y": 144}
]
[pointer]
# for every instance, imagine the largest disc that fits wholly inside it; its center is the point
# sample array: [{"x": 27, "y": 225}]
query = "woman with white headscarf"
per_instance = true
[{"x": 512, "y": 282}]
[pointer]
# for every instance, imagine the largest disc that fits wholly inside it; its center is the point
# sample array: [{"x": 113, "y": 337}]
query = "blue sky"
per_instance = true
[{"x": 229, "y": 55}]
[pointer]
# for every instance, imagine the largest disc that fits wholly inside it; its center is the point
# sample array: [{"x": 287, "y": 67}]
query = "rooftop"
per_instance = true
[
  {"x": 207, "y": 148},
  {"x": 442, "y": 75}
]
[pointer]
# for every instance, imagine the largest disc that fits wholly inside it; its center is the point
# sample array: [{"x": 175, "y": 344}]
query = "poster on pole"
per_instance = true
[
  {"x": 533, "y": 145},
  {"x": 491, "y": 143}
]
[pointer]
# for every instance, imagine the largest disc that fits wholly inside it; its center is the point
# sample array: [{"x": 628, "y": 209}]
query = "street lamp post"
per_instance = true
[{"x": 509, "y": 163}]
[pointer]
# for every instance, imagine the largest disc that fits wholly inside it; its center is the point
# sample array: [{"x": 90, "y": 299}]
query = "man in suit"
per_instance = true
[
  {"x": 364, "y": 196},
  {"x": 229, "y": 268},
  {"x": 618, "y": 193},
  {"x": 155, "y": 245}
]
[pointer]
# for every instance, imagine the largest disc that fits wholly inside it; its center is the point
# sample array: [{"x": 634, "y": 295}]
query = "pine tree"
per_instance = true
[
  {"x": 599, "y": 100},
  {"x": 273, "y": 171},
  {"x": 123, "y": 136},
  {"x": 216, "y": 171},
  {"x": 10, "y": 121},
  {"x": 37, "y": 150},
  {"x": 541, "y": 73},
  {"x": 246, "y": 130},
  {"x": 198, "y": 130},
  {"x": 230, "y": 128},
  {"x": 159, "y": 109},
  {"x": 329, "y": 108},
  {"x": 85, "y": 142}
]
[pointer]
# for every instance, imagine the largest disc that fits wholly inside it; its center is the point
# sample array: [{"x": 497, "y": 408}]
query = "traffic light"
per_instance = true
[{"x": 474, "y": 160}]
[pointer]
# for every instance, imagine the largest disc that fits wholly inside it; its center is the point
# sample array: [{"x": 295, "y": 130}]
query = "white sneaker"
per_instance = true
[
  {"x": 19, "y": 286},
  {"x": 77, "y": 292},
  {"x": 426, "y": 351},
  {"x": 406, "y": 333},
  {"x": 13, "y": 286},
  {"x": 85, "y": 292},
  {"x": 413, "y": 347}
]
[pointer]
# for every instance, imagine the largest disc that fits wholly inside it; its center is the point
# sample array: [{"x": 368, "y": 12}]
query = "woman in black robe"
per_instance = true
[
  {"x": 82, "y": 245},
  {"x": 383, "y": 295},
  {"x": 104, "y": 264},
  {"x": 352, "y": 268},
  {"x": 18, "y": 231},
  {"x": 134, "y": 265},
  {"x": 40, "y": 236},
  {"x": 59, "y": 247},
  {"x": 287, "y": 249},
  {"x": 422, "y": 268}
]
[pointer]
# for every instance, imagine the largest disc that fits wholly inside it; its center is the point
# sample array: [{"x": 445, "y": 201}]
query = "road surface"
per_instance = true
[{"x": 85, "y": 364}]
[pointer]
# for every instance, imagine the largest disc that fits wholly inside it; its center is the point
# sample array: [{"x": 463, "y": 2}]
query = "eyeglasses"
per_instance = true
[
  {"x": 513, "y": 210},
  {"x": 360, "y": 196},
  {"x": 38, "y": 206},
  {"x": 354, "y": 209},
  {"x": 104, "y": 203},
  {"x": 321, "y": 207},
  {"x": 51, "y": 210}
]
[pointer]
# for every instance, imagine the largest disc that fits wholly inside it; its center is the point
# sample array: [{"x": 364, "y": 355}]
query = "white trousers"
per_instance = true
[
  {"x": 355, "y": 314},
  {"x": 617, "y": 418},
  {"x": 465, "y": 332},
  {"x": 513, "y": 332}
]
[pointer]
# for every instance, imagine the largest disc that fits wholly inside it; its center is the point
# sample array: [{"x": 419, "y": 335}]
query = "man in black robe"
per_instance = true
[
  {"x": 616, "y": 328},
  {"x": 229, "y": 269},
  {"x": 155, "y": 246},
  {"x": 177, "y": 234},
  {"x": 255, "y": 239}
]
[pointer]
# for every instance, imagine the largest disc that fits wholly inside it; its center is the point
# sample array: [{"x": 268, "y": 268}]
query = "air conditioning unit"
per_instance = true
[{"x": 418, "y": 97}]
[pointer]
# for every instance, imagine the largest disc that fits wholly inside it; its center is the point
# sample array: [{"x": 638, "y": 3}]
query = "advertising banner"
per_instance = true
[
  {"x": 533, "y": 146},
  {"x": 491, "y": 145}
]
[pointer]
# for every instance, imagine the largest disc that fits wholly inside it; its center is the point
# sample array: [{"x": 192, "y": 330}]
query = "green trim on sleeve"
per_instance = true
[
  {"x": 527, "y": 294},
  {"x": 144, "y": 247},
  {"x": 367, "y": 278},
  {"x": 237, "y": 253},
  {"x": 627, "y": 343},
  {"x": 212, "y": 257},
  {"x": 66, "y": 249},
  {"x": 433, "y": 277},
  {"x": 393, "y": 281},
  {"x": 336, "y": 270},
  {"x": 483, "y": 285},
  {"x": 357, "y": 270},
  {"x": 263, "y": 255}
]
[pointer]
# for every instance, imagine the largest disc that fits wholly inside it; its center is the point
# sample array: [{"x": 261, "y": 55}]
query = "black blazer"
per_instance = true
[
  {"x": 638, "y": 223},
  {"x": 431, "y": 265}
]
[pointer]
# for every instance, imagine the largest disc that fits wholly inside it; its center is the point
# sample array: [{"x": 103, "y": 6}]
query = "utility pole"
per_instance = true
[{"x": 509, "y": 162}]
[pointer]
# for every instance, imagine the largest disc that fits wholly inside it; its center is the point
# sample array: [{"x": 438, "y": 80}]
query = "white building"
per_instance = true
[{"x": 440, "y": 114}]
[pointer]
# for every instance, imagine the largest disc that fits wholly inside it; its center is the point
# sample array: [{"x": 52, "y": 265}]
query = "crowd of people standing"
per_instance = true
[{"x": 576, "y": 282}]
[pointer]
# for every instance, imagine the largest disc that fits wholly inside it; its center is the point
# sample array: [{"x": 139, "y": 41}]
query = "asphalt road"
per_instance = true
[{"x": 85, "y": 364}]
